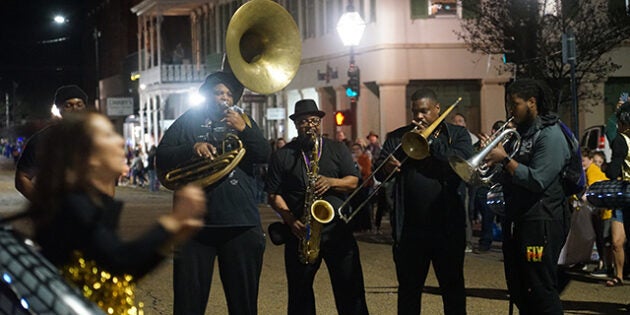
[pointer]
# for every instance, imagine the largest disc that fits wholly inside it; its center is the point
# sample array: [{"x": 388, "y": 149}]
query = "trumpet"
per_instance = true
[
  {"x": 415, "y": 144},
  {"x": 475, "y": 170}
]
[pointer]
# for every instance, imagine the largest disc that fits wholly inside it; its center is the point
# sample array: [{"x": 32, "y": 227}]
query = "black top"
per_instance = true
[
  {"x": 426, "y": 196},
  {"x": 91, "y": 227},
  {"x": 619, "y": 152},
  {"x": 231, "y": 201},
  {"x": 287, "y": 173},
  {"x": 27, "y": 162}
]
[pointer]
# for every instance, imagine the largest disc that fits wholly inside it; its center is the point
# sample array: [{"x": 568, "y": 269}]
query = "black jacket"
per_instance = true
[
  {"x": 231, "y": 201},
  {"x": 90, "y": 226},
  {"x": 425, "y": 191}
]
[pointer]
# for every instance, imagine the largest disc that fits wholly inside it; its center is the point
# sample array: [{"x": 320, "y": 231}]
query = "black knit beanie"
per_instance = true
[{"x": 67, "y": 92}]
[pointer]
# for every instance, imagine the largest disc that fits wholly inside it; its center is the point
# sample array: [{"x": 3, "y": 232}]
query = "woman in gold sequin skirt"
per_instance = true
[{"x": 76, "y": 219}]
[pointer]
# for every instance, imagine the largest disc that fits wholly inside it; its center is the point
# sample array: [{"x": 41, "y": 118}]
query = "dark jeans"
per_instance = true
[
  {"x": 531, "y": 250},
  {"x": 239, "y": 252},
  {"x": 414, "y": 253},
  {"x": 487, "y": 217},
  {"x": 340, "y": 252}
]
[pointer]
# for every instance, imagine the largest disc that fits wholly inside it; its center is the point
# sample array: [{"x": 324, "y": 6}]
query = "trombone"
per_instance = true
[{"x": 415, "y": 144}]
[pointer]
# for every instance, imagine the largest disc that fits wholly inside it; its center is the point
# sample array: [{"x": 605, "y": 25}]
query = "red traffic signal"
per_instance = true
[{"x": 343, "y": 118}]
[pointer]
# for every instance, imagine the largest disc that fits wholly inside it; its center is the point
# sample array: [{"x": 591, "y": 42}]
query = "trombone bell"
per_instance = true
[{"x": 415, "y": 145}]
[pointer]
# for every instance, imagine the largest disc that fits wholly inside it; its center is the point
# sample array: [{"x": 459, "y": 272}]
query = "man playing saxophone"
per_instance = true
[
  {"x": 232, "y": 232},
  {"x": 293, "y": 179}
]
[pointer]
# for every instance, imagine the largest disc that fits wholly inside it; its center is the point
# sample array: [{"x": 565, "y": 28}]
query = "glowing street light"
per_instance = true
[
  {"x": 350, "y": 26},
  {"x": 60, "y": 19},
  {"x": 350, "y": 29}
]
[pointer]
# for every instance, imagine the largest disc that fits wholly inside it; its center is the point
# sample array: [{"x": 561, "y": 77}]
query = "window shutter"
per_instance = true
[{"x": 419, "y": 9}]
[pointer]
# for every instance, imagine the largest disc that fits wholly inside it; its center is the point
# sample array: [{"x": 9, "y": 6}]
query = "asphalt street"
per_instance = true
[{"x": 485, "y": 282}]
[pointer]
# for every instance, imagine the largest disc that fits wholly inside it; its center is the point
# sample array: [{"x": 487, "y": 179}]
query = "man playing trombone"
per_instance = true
[
  {"x": 429, "y": 219},
  {"x": 288, "y": 186}
]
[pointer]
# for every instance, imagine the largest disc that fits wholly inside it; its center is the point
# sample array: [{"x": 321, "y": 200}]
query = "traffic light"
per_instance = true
[
  {"x": 343, "y": 118},
  {"x": 354, "y": 82},
  {"x": 511, "y": 54}
]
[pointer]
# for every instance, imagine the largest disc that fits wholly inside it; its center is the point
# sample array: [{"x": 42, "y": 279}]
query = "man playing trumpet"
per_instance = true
[
  {"x": 232, "y": 230},
  {"x": 536, "y": 208},
  {"x": 429, "y": 220}
]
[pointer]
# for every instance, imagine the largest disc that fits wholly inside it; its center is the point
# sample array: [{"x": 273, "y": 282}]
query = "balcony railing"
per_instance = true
[{"x": 174, "y": 74}]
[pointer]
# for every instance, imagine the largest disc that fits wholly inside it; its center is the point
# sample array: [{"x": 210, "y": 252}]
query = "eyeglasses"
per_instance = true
[{"x": 312, "y": 121}]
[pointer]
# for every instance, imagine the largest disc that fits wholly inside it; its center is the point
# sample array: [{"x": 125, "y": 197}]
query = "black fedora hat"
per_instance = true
[
  {"x": 306, "y": 107},
  {"x": 279, "y": 233},
  {"x": 226, "y": 78}
]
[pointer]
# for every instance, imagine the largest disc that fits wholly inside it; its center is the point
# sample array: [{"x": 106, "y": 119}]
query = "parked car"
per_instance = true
[{"x": 595, "y": 139}]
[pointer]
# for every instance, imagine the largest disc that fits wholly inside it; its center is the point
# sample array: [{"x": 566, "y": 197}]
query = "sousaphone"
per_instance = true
[
  {"x": 264, "y": 50},
  {"x": 263, "y": 46}
]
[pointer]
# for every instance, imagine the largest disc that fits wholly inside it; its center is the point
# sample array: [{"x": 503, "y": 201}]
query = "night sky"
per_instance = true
[{"x": 38, "y": 55}]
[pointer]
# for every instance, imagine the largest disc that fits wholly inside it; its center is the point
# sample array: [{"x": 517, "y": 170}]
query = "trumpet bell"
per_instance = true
[
  {"x": 415, "y": 145},
  {"x": 464, "y": 169},
  {"x": 263, "y": 46},
  {"x": 322, "y": 211}
]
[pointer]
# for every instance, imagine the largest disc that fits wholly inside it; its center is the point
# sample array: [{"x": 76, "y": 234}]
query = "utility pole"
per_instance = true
[
  {"x": 97, "y": 99},
  {"x": 569, "y": 56},
  {"x": 6, "y": 102}
]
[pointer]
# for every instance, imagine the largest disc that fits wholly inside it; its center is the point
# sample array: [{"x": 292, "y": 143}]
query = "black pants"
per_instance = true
[
  {"x": 413, "y": 254},
  {"x": 239, "y": 252},
  {"x": 339, "y": 250},
  {"x": 531, "y": 250}
]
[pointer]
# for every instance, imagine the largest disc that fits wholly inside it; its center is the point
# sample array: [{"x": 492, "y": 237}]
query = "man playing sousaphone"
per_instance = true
[
  {"x": 288, "y": 186},
  {"x": 232, "y": 230}
]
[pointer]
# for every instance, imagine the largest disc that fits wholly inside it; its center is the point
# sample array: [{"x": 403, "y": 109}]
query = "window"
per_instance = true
[{"x": 433, "y": 8}]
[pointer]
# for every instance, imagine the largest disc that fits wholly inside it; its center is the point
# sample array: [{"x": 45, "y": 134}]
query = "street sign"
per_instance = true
[
  {"x": 275, "y": 113},
  {"x": 119, "y": 106},
  {"x": 254, "y": 98}
]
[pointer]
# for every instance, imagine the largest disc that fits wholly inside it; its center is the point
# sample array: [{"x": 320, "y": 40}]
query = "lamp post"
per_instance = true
[
  {"x": 350, "y": 29},
  {"x": 96, "y": 34}
]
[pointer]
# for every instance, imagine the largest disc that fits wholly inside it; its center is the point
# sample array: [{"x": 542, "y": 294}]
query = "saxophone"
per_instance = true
[{"x": 316, "y": 211}]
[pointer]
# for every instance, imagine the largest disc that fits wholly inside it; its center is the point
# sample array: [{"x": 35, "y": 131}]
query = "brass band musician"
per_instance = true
[
  {"x": 429, "y": 220},
  {"x": 232, "y": 232},
  {"x": 536, "y": 208},
  {"x": 287, "y": 183}
]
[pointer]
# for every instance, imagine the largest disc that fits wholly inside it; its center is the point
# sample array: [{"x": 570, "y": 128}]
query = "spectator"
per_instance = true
[
  {"x": 374, "y": 146},
  {"x": 601, "y": 218},
  {"x": 75, "y": 216},
  {"x": 341, "y": 137},
  {"x": 363, "y": 219}
]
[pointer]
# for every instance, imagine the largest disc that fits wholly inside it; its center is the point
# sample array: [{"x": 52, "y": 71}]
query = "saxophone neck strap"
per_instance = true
[{"x": 307, "y": 157}]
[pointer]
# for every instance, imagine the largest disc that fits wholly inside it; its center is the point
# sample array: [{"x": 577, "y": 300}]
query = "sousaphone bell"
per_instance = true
[{"x": 264, "y": 51}]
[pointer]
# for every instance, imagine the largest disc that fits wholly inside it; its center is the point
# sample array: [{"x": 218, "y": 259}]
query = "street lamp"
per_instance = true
[
  {"x": 60, "y": 19},
  {"x": 350, "y": 29}
]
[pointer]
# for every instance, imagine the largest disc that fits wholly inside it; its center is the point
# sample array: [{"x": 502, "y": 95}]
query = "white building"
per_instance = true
[{"x": 407, "y": 44}]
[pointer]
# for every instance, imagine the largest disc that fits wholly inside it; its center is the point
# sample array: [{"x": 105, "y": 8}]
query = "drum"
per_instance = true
[
  {"x": 611, "y": 194},
  {"x": 31, "y": 285}
]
